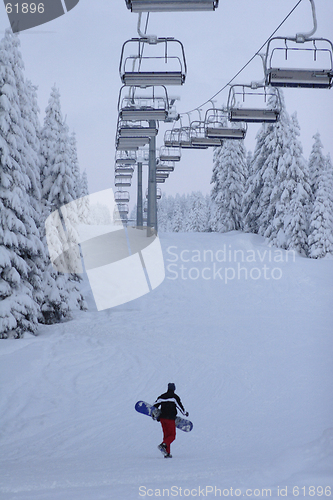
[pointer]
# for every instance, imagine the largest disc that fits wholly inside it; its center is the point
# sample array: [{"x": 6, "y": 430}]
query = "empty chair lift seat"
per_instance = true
[
  {"x": 143, "y": 113},
  {"x": 145, "y": 70},
  {"x": 297, "y": 69},
  {"x": 253, "y": 115},
  {"x": 303, "y": 78},
  {"x": 171, "y": 5}
]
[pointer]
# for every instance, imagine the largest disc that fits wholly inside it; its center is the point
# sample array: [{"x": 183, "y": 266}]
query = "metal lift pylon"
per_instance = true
[{"x": 152, "y": 191}]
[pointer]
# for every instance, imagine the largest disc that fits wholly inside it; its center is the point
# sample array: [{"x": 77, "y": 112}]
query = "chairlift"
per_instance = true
[
  {"x": 126, "y": 157},
  {"x": 308, "y": 77},
  {"x": 171, "y": 5},
  {"x": 169, "y": 154},
  {"x": 123, "y": 176},
  {"x": 147, "y": 107},
  {"x": 124, "y": 169},
  {"x": 218, "y": 126},
  {"x": 122, "y": 196},
  {"x": 136, "y": 129},
  {"x": 165, "y": 166},
  {"x": 141, "y": 70},
  {"x": 171, "y": 138},
  {"x": 160, "y": 181},
  {"x": 131, "y": 143},
  {"x": 268, "y": 109},
  {"x": 181, "y": 138},
  {"x": 198, "y": 136},
  {"x": 121, "y": 183},
  {"x": 162, "y": 175},
  {"x": 123, "y": 209}
]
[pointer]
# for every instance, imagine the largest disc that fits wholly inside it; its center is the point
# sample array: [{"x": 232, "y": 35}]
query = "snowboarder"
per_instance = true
[{"x": 169, "y": 402}]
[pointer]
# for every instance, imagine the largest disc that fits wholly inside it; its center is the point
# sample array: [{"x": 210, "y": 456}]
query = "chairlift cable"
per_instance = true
[{"x": 248, "y": 62}]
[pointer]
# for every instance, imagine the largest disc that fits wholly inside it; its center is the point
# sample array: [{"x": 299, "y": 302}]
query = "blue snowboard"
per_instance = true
[{"x": 147, "y": 409}]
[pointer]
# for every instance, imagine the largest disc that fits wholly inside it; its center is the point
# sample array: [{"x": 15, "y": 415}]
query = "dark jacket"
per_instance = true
[{"x": 169, "y": 402}]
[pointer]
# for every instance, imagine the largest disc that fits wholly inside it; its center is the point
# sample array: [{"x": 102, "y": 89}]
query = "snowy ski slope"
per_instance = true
[{"x": 251, "y": 359}]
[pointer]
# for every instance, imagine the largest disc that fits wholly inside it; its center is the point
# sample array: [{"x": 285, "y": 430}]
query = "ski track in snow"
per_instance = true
[{"x": 252, "y": 362}]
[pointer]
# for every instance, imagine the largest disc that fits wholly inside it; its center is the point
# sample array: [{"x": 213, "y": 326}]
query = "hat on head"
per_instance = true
[{"x": 171, "y": 387}]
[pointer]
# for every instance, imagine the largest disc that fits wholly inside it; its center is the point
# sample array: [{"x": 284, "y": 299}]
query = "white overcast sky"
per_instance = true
[{"x": 80, "y": 52}]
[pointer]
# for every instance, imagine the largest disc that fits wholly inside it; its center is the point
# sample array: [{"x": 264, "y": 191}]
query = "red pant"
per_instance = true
[{"x": 169, "y": 432}]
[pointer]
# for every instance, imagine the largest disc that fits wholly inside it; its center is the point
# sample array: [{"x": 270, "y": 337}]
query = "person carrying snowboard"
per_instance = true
[{"x": 169, "y": 402}]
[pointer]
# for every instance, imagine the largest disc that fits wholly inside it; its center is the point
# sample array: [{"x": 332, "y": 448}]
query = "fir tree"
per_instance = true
[
  {"x": 19, "y": 236},
  {"x": 177, "y": 223},
  {"x": 321, "y": 221},
  {"x": 75, "y": 166},
  {"x": 229, "y": 176},
  {"x": 58, "y": 189},
  {"x": 291, "y": 196},
  {"x": 197, "y": 213}
]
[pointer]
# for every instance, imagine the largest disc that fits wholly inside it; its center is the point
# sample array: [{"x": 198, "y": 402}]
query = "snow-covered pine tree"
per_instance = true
[
  {"x": 209, "y": 205},
  {"x": 229, "y": 176},
  {"x": 19, "y": 236},
  {"x": 84, "y": 184},
  {"x": 162, "y": 213},
  {"x": 58, "y": 188},
  {"x": 75, "y": 166},
  {"x": 329, "y": 169},
  {"x": 255, "y": 182},
  {"x": 197, "y": 217},
  {"x": 83, "y": 203},
  {"x": 177, "y": 221},
  {"x": 321, "y": 220},
  {"x": 275, "y": 149},
  {"x": 30, "y": 115},
  {"x": 291, "y": 195}
]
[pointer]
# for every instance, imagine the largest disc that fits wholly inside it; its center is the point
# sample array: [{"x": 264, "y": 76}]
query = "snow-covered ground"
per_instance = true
[{"x": 251, "y": 359}]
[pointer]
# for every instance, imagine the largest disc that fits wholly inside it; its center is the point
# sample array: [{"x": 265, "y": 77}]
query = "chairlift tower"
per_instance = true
[{"x": 139, "y": 205}]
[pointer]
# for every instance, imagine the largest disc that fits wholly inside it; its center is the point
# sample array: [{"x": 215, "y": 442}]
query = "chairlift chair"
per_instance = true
[
  {"x": 165, "y": 166},
  {"x": 217, "y": 126},
  {"x": 131, "y": 143},
  {"x": 124, "y": 169},
  {"x": 319, "y": 77},
  {"x": 162, "y": 175},
  {"x": 198, "y": 136},
  {"x": 171, "y": 138},
  {"x": 126, "y": 157},
  {"x": 136, "y": 129},
  {"x": 122, "y": 209},
  {"x": 270, "y": 103},
  {"x": 138, "y": 107},
  {"x": 141, "y": 71},
  {"x": 170, "y": 154},
  {"x": 160, "y": 181},
  {"x": 121, "y": 183},
  {"x": 122, "y": 196},
  {"x": 123, "y": 176},
  {"x": 171, "y": 5}
]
